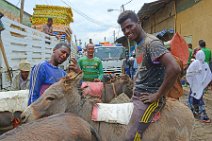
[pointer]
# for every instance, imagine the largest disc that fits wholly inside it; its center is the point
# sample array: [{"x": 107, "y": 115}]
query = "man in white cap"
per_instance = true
[{"x": 21, "y": 81}]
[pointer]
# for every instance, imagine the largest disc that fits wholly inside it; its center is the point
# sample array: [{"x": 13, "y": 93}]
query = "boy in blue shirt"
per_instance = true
[{"x": 46, "y": 73}]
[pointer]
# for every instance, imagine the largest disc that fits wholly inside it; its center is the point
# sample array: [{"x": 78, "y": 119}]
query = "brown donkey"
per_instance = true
[{"x": 61, "y": 127}]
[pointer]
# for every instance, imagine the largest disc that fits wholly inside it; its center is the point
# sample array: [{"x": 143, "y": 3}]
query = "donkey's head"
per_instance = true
[{"x": 55, "y": 99}]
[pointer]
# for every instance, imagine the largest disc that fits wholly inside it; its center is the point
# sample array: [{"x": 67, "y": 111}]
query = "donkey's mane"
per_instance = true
[{"x": 69, "y": 79}]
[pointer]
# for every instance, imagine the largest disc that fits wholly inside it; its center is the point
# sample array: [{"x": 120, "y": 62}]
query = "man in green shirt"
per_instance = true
[
  {"x": 207, "y": 51},
  {"x": 91, "y": 66}
]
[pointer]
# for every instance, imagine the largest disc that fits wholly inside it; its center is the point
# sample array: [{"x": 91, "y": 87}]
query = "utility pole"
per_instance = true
[
  {"x": 75, "y": 38},
  {"x": 114, "y": 36},
  {"x": 122, "y": 7},
  {"x": 80, "y": 42},
  {"x": 90, "y": 41},
  {"x": 21, "y": 11},
  {"x": 128, "y": 41}
]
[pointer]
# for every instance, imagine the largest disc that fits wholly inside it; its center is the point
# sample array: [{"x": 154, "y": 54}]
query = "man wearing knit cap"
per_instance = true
[{"x": 21, "y": 81}]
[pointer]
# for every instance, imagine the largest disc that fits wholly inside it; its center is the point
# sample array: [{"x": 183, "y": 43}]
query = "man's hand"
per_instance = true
[
  {"x": 96, "y": 80},
  {"x": 74, "y": 66},
  {"x": 149, "y": 98}
]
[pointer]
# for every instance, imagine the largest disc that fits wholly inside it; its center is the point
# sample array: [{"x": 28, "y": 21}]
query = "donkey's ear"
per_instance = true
[
  {"x": 71, "y": 74},
  {"x": 67, "y": 83},
  {"x": 67, "y": 80}
]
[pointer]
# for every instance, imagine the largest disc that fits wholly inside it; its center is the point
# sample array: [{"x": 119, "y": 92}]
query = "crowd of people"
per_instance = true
[{"x": 156, "y": 77}]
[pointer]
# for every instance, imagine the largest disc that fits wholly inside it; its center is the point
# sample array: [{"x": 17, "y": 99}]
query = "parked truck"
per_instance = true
[{"x": 112, "y": 58}]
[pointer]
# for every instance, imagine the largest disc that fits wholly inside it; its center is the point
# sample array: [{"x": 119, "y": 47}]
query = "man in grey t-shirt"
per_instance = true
[
  {"x": 155, "y": 75},
  {"x": 47, "y": 28}
]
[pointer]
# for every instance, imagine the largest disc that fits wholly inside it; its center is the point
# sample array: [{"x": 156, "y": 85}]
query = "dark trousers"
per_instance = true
[{"x": 142, "y": 117}]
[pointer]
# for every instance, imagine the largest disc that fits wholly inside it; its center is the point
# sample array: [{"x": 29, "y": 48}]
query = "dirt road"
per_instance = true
[{"x": 202, "y": 131}]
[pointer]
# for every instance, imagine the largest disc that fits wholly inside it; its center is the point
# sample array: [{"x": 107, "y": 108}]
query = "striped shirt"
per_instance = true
[{"x": 42, "y": 76}]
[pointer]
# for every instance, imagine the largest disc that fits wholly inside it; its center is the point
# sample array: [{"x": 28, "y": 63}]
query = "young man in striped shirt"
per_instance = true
[{"x": 47, "y": 73}]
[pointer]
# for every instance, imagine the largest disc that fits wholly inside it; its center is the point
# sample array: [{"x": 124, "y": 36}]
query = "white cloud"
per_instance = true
[{"x": 96, "y": 10}]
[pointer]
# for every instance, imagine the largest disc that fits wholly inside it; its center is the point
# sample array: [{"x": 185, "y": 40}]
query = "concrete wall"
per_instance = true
[
  {"x": 162, "y": 19},
  {"x": 13, "y": 13},
  {"x": 196, "y": 22}
]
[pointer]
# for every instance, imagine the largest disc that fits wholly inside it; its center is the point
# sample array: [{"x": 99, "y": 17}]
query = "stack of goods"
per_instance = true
[{"x": 62, "y": 17}]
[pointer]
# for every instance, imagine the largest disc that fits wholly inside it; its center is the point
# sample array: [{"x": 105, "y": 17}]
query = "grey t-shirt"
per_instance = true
[{"x": 151, "y": 72}]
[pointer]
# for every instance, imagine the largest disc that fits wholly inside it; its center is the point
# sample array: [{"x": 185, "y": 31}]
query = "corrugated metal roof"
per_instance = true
[{"x": 150, "y": 8}]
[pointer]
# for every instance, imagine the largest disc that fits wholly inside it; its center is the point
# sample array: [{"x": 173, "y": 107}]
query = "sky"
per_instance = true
[{"x": 91, "y": 17}]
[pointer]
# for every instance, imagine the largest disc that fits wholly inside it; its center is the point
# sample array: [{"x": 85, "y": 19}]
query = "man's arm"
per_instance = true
[
  {"x": 46, "y": 30},
  {"x": 36, "y": 80},
  {"x": 101, "y": 73},
  {"x": 75, "y": 66},
  {"x": 172, "y": 71},
  {"x": 171, "y": 74}
]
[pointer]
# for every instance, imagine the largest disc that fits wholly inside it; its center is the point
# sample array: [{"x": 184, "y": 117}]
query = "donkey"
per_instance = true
[
  {"x": 116, "y": 86},
  {"x": 60, "y": 127},
  {"x": 176, "y": 119}
]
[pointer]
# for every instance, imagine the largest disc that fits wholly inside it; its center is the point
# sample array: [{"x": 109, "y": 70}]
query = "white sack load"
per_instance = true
[
  {"x": 113, "y": 113},
  {"x": 14, "y": 100}
]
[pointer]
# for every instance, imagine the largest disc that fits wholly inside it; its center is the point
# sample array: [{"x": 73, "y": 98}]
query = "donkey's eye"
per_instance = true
[{"x": 50, "y": 98}]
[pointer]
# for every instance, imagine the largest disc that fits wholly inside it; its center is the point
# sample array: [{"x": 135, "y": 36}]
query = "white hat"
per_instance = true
[{"x": 24, "y": 65}]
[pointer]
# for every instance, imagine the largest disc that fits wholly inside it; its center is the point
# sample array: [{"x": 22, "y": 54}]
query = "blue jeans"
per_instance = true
[
  {"x": 127, "y": 71},
  {"x": 192, "y": 102}
]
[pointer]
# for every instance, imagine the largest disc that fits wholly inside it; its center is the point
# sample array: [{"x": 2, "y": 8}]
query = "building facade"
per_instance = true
[{"x": 191, "y": 18}]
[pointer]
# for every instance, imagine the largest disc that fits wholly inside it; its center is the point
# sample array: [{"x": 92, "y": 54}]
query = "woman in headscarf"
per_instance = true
[{"x": 198, "y": 76}]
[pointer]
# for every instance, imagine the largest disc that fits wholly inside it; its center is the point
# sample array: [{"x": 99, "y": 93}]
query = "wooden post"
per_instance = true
[
  {"x": 21, "y": 11},
  {"x": 128, "y": 42},
  {"x": 114, "y": 36},
  {"x": 175, "y": 16},
  {"x": 75, "y": 38},
  {"x": 5, "y": 59},
  {"x": 122, "y": 7}
]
